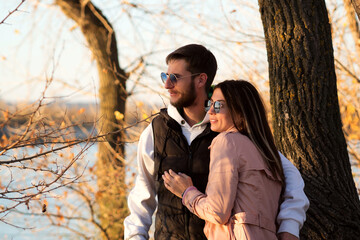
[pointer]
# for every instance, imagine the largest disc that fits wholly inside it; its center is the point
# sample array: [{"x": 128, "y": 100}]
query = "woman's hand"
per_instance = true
[{"x": 176, "y": 183}]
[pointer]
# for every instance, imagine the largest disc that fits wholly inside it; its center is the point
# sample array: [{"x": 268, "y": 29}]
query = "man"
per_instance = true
[{"x": 178, "y": 139}]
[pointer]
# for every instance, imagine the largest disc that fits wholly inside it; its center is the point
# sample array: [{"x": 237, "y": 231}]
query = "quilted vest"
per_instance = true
[{"x": 171, "y": 151}]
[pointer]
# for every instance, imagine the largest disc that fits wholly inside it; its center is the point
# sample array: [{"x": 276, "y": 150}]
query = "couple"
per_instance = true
[{"x": 246, "y": 172}]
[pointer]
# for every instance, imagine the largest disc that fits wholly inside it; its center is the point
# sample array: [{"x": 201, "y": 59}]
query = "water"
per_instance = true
[{"x": 39, "y": 224}]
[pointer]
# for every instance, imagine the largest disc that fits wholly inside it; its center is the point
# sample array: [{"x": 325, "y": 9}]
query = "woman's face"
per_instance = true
[{"x": 220, "y": 121}]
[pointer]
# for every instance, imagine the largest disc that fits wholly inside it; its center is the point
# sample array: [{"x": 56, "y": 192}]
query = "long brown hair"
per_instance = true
[{"x": 248, "y": 113}]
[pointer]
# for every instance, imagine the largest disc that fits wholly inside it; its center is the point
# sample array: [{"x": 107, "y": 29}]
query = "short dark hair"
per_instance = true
[
  {"x": 199, "y": 59},
  {"x": 248, "y": 114}
]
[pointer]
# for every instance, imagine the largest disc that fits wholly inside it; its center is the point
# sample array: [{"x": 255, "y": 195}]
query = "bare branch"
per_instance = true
[
  {"x": 348, "y": 71},
  {"x": 13, "y": 11}
]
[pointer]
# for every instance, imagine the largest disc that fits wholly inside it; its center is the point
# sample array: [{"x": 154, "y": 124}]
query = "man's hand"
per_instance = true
[{"x": 286, "y": 236}]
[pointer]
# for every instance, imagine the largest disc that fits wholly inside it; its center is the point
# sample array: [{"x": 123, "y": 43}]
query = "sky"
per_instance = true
[
  {"x": 40, "y": 43},
  {"x": 32, "y": 52}
]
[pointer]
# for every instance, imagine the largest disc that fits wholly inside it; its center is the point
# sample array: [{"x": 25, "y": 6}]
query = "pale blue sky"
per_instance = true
[{"x": 39, "y": 40}]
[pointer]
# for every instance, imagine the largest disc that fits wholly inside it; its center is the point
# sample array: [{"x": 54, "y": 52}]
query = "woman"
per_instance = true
[{"x": 246, "y": 175}]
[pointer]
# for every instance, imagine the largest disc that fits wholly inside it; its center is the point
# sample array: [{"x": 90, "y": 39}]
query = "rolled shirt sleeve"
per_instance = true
[
  {"x": 141, "y": 200},
  {"x": 292, "y": 214}
]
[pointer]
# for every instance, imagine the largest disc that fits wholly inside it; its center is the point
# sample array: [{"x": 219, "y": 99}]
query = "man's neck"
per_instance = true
[{"x": 194, "y": 114}]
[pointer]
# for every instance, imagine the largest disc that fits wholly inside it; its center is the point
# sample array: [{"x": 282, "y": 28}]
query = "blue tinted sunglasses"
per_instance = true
[
  {"x": 173, "y": 77},
  {"x": 217, "y": 105}
]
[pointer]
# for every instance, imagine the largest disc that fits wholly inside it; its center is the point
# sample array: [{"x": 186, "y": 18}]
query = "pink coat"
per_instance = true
[{"x": 242, "y": 196}]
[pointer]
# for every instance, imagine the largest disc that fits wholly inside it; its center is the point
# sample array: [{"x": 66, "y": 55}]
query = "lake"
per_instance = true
[{"x": 44, "y": 230}]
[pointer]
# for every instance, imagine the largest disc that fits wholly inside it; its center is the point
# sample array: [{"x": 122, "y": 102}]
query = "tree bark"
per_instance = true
[
  {"x": 306, "y": 116},
  {"x": 99, "y": 34},
  {"x": 356, "y": 4}
]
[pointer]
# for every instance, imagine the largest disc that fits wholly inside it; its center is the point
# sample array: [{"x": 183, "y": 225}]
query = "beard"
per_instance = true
[{"x": 187, "y": 97}]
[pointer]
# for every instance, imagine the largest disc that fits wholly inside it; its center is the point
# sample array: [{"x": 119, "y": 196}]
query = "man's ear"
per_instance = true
[{"x": 202, "y": 80}]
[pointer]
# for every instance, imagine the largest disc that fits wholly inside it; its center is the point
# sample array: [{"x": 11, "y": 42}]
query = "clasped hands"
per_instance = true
[{"x": 176, "y": 183}]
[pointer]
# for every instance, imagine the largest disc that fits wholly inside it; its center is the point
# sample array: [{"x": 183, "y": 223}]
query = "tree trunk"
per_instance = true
[
  {"x": 353, "y": 24},
  {"x": 356, "y": 4},
  {"x": 306, "y": 116},
  {"x": 99, "y": 34}
]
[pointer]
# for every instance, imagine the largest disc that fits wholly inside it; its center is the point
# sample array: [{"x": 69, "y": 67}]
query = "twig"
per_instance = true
[
  {"x": 348, "y": 71},
  {"x": 15, "y": 10},
  {"x": 90, "y": 139},
  {"x": 13, "y": 225}
]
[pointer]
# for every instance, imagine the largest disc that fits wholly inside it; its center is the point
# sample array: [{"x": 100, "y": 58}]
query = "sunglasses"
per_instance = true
[
  {"x": 173, "y": 77},
  {"x": 217, "y": 105}
]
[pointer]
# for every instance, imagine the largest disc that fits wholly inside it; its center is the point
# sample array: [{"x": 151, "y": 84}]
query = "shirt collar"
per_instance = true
[{"x": 174, "y": 114}]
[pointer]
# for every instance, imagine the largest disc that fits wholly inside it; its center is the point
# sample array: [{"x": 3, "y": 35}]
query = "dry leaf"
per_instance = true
[
  {"x": 118, "y": 115},
  {"x": 81, "y": 110}
]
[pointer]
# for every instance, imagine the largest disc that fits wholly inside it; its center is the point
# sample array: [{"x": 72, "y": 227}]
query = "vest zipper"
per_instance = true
[
  {"x": 187, "y": 215},
  {"x": 190, "y": 160}
]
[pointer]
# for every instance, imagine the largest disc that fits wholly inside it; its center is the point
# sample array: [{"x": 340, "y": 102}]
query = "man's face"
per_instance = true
[{"x": 182, "y": 93}]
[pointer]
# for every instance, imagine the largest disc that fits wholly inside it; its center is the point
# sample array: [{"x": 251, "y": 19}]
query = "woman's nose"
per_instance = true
[{"x": 212, "y": 110}]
